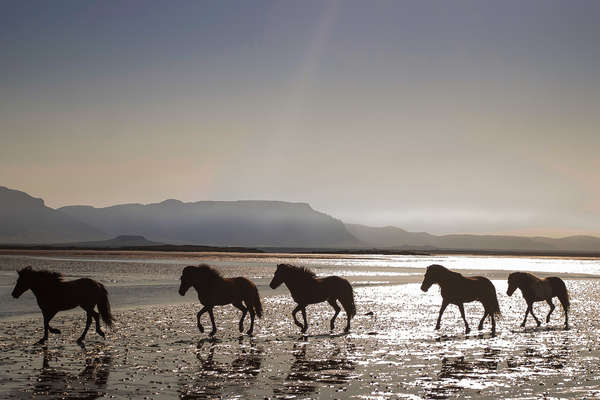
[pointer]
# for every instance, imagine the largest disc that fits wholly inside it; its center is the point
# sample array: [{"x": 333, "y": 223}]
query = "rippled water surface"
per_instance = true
[{"x": 156, "y": 350}]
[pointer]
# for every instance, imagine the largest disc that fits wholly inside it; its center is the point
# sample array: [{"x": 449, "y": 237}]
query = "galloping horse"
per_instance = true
[
  {"x": 214, "y": 290},
  {"x": 306, "y": 288},
  {"x": 458, "y": 289},
  {"x": 54, "y": 295},
  {"x": 536, "y": 289}
]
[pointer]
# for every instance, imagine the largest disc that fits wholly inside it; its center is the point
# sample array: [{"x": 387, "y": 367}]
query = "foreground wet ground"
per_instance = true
[{"x": 157, "y": 352}]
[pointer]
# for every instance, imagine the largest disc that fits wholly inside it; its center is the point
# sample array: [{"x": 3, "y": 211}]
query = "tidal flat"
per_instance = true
[{"x": 155, "y": 351}]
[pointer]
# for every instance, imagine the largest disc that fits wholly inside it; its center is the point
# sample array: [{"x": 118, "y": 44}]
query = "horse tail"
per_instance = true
[
  {"x": 253, "y": 299},
  {"x": 104, "y": 307},
  {"x": 493, "y": 305},
  {"x": 560, "y": 289},
  {"x": 347, "y": 298}
]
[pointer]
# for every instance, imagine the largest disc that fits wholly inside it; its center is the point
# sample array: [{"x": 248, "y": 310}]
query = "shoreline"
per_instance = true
[{"x": 299, "y": 253}]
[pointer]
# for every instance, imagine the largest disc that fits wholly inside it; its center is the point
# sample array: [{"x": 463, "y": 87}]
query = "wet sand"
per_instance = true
[{"x": 156, "y": 351}]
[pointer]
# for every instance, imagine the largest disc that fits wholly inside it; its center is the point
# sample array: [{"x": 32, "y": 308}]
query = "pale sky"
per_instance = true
[{"x": 439, "y": 116}]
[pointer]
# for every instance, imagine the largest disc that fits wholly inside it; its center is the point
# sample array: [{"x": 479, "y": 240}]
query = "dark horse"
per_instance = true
[
  {"x": 54, "y": 295},
  {"x": 306, "y": 289},
  {"x": 214, "y": 290},
  {"x": 458, "y": 289},
  {"x": 536, "y": 289}
]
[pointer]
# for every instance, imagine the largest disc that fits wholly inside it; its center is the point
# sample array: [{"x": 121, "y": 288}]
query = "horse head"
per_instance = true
[
  {"x": 431, "y": 277},
  {"x": 187, "y": 277},
  {"x": 23, "y": 282},
  {"x": 513, "y": 283},
  {"x": 278, "y": 277}
]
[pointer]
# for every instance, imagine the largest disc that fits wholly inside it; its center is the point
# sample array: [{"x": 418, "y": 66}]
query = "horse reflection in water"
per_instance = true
[
  {"x": 309, "y": 373},
  {"x": 215, "y": 379},
  {"x": 536, "y": 289},
  {"x": 90, "y": 383},
  {"x": 456, "y": 369}
]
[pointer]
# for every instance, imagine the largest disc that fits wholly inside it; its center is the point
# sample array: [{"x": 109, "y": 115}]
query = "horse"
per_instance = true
[
  {"x": 306, "y": 288},
  {"x": 535, "y": 289},
  {"x": 458, "y": 289},
  {"x": 214, "y": 290},
  {"x": 54, "y": 295}
]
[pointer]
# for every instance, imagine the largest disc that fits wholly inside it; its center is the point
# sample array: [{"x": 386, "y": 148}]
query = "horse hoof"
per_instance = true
[
  {"x": 40, "y": 342},
  {"x": 467, "y": 330},
  {"x": 201, "y": 328},
  {"x": 249, "y": 333},
  {"x": 212, "y": 333},
  {"x": 522, "y": 325},
  {"x": 346, "y": 330},
  {"x": 437, "y": 328},
  {"x": 80, "y": 340},
  {"x": 101, "y": 334},
  {"x": 54, "y": 330},
  {"x": 303, "y": 330}
]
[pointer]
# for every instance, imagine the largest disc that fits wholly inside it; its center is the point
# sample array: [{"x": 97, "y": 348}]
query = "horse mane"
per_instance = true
[
  {"x": 522, "y": 277},
  {"x": 302, "y": 271},
  {"x": 204, "y": 270},
  {"x": 45, "y": 275}
]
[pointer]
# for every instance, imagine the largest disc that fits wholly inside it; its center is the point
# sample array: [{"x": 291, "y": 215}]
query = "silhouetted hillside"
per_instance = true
[
  {"x": 220, "y": 223},
  {"x": 117, "y": 242},
  {"x": 393, "y": 237},
  {"x": 25, "y": 219}
]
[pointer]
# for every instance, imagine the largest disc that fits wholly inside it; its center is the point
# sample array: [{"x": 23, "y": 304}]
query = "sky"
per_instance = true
[{"x": 438, "y": 116}]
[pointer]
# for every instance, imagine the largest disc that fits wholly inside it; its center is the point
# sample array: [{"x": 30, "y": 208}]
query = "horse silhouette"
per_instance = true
[
  {"x": 54, "y": 295},
  {"x": 536, "y": 289},
  {"x": 306, "y": 288},
  {"x": 214, "y": 290},
  {"x": 458, "y": 289}
]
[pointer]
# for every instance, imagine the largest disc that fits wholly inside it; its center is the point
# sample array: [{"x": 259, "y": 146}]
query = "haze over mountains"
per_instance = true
[{"x": 26, "y": 220}]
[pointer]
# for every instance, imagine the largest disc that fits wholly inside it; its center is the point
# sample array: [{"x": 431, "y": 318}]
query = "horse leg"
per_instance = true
[
  {"x": 551, "y": 304},
  {"x": 442, "y": 309},
  {"x": 244, "y": 310},
  {"x": 88, "y": 322},
  {"x": 304, "y": 318},
  {"x": 333, "y": 303},
  {"x": 537, "y": 321},
  {"x": 493, "y": 324},
  {"x": 97, "y": 319},
  {"x": 526, "y": 312},
  {"x": 298, "y": 308},
  {"x": 200, "y": 327},
  {"x": 48, "y": 315},
  {"x": 212, "y": 320},
  {"x": 480, "y": 327},
  {"x": 252, "y": 314},
  {"x": 462, "y": 314}
]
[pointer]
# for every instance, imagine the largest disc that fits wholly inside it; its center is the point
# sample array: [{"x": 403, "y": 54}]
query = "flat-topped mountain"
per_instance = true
[
  {"x": 220, "y": 223},
  {"x": 26, "y": 219}
]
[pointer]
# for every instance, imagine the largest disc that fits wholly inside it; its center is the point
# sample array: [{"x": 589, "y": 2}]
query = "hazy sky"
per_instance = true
[{"x": 444, "y": 116}]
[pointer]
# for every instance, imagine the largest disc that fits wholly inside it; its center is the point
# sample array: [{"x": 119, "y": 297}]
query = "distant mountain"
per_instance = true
[
  {"x": 220, "y": 223},
  {"x": 392, "y": 237},
  {"x": 25, "y": 219},
  {"x": 119, "y": 241},
  {"x": 249, "y": 224}
]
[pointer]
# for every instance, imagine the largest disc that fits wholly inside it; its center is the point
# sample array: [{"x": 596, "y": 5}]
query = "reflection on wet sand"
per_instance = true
[
  {"x": 90, "y": 383},
  {"x": 456, "y": 372},
  {"x": 215, "y": 379},
  {"x": 307, "y": 373},
  {"x": 537, "y": 360}
]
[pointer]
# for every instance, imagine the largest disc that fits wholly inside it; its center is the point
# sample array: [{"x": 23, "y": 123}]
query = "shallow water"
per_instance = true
[
  {"x": 157, "y": 352},
  {"x": 142, "y": 278}
]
